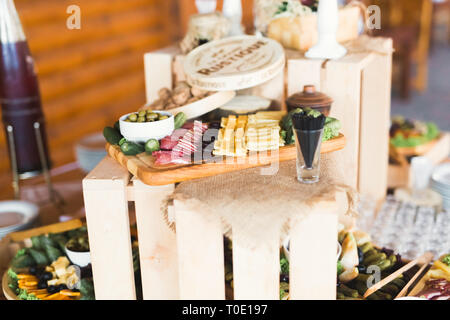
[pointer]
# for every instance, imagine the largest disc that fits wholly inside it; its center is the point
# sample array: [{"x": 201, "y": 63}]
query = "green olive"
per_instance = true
[
  {"x": 152, "y": 116},
  {"x": 149, "y": 110},
  {"x": 141, "y": 119},
  {"x": 142, "y": 113},
  {"x": 132, "y": 117},
  {"x": 163, "y": 117}
]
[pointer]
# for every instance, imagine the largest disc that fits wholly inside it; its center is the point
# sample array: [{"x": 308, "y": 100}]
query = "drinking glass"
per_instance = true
[{"x": 308, "y": 143}]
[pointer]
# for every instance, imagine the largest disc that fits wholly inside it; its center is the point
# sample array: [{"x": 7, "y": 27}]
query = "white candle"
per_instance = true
[
  {"x": 232, "y": 9},
  {"x": 327, "y": 46}
]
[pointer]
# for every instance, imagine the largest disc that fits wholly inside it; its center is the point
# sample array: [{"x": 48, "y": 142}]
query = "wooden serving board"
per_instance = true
[
  {"x": 418, "y": 150},
  {"x": 419, "y": 286},
  {"x": 9, "y": 294},
  {"x": 142, "y": 166}
]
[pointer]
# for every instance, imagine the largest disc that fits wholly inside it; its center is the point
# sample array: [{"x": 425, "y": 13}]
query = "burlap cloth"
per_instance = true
[{"x": 259, "y": 205}]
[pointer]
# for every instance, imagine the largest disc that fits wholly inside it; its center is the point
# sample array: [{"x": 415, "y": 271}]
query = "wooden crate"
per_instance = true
[
  {"x": 398, "y": 175},
  {"x": 189, "y": 264},
  {"x": 360, "y": 85}
]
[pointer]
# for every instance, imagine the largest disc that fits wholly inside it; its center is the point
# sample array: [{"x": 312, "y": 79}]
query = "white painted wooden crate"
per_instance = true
[{"x": 189, "y": 264}]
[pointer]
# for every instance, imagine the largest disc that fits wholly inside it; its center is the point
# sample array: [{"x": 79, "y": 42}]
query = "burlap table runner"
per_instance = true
[{"x": 258, "y": 205}]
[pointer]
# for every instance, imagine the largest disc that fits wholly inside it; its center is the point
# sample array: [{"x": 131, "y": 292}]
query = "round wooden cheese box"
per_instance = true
[{"x": 234, "y": 63}]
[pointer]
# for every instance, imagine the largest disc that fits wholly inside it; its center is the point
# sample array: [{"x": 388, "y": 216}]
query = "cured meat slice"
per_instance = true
[{"x": 169, "y": 142}]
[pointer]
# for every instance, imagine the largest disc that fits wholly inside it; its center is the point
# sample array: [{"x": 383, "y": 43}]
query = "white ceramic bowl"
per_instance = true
[
  {"x": 90, "y": 150},
  {"x": 81, "y": 259},
  {"x": 286, "y": 249},
  {"x": 143, "y": 131}
]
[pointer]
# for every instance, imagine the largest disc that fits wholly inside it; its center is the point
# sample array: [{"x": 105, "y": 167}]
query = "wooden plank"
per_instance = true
[
  {"x": 374, "y": 126},
  {"x": 96, "y": 28},
  {"x": 342, "y": 82},
  {"x": 79, "y": 54},
  {"x": 139, "y": 165},
  {"x": 158, "y": 73},
  {"x": 55, "y": 10},
  {"x": 256, "y": 271},
  {"x": 312, "y": 262},
  {"x": 70, "y": 81},
  {"x": 303, "y": 72},
  {"x": 157, "y": 243},
  {"x": 87, "y": 101},
  {"x": 104, "y": 191},
  {"x": 62, "y": 145},
  {"x": 200, "y": 255},
  {"x": 53, "y": 228}
]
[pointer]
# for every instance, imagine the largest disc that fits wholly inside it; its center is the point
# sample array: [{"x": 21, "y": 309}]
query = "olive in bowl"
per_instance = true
[
  {"x": 77, "y": 250},
  {"x": 146, "y": 124}
]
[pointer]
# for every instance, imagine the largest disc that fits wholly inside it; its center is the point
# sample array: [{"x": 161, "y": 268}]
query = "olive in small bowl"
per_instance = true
[
  {"x": 146, "y": 124},
  {"x": 77, "y": 250}
]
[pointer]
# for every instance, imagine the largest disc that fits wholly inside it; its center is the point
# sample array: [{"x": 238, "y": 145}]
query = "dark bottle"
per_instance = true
[{"x": 19, "y": 92}]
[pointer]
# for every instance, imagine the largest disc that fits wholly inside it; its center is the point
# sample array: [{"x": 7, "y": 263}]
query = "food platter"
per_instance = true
[
  {"x": 143, "y": 167},
  {"x": 435, "y": 282}
]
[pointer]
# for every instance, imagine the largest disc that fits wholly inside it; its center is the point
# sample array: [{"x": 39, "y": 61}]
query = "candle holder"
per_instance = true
[{"x": 327, "y": 46}]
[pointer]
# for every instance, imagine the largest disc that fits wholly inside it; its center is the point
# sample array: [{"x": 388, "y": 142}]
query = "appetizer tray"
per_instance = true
[
  {"x": 143, "y": 166},
  {"x": 420, "y": 285},
  {"x": 418, "y": 150}
]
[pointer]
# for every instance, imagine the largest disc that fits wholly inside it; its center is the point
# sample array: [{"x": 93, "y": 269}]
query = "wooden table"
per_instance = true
[{"x": 61, "y": 177}]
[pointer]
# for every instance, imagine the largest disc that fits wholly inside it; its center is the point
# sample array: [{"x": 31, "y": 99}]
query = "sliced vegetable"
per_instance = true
[
  {"x": 151, "y": 146},
  {"x": 131, "y": 149},
  {"x": 180, "y": 120}
]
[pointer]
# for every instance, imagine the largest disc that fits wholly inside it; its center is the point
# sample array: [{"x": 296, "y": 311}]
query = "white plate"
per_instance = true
[
  {"x": 205, "y": 105},
  {"x": 27, "y": 213}
]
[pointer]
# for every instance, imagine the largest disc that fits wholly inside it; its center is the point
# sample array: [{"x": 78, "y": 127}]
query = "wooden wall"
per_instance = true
[{"x": 90, "y": 77}]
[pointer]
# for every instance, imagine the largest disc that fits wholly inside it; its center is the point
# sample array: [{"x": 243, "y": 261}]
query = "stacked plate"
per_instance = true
[
  {"x": 16, "y": 216},
  {"x": 90, "y": 150},
  {"x": 440, "y": 182}
]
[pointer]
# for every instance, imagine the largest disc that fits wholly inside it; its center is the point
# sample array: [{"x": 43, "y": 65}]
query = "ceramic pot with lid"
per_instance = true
[{"x": 310, "y": 98}]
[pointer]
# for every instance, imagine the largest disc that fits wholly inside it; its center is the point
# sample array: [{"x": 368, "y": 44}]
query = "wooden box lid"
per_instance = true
[{"x": 234, "y": 63}]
